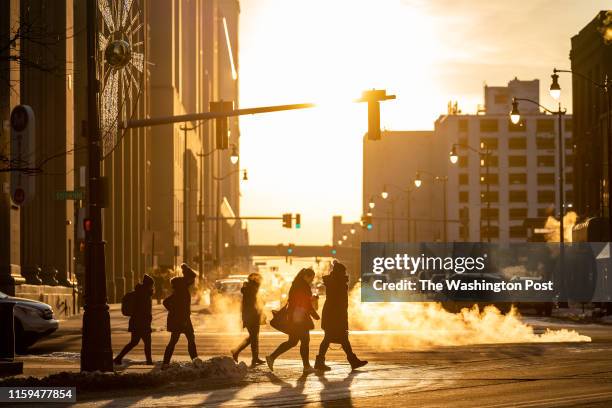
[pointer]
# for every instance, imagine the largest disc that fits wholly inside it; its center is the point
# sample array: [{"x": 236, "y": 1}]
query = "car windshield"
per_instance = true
[{"x": 229, "y": 287}]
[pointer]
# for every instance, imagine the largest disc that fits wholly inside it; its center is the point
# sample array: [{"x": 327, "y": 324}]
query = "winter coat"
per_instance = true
[
  {"x": 179, "y": 307},
  {"x": 252, "y": 310},
  {"x": 140, "y": 320},
  {"x": 334, "y": 319},
  {"x": 300, "y": 307}
]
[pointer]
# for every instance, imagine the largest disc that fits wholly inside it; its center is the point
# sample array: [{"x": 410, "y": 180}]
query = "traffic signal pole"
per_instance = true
[{"x": 96, "y": 349}]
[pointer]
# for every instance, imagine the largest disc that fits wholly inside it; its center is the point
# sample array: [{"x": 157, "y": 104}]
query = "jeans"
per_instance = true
[
  {"x": 146, "y": 339},
  {"x": 303, "y": 338},
  {"x": 174, "y": 338},
  {"x": 345, "y": 343},
  {"x": 253, "y": 340}
]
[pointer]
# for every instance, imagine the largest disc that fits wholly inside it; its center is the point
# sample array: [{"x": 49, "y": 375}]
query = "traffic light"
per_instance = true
[
  {"x": 290, "y": 249},
  {"x": 298, "y": 221},
  {"x": 287, "y": 220},
  {"x": 222, "y": 124},
  {"x": 366, "y": 222},
  {"x": 333, "y": 251}
]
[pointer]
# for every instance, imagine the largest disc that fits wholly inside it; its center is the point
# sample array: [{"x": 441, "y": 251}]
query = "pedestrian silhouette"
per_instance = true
[
  {"x": 252, "y": 318},
  {"x": 299, "y": 310},
  {"x": 334, "y": 320},
  {"x": 137, "y": 305},
  {"x": 179, "y": 316}
]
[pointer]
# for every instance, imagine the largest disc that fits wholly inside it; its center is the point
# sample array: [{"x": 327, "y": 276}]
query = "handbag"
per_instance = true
[{"x": 280, "y": 319}]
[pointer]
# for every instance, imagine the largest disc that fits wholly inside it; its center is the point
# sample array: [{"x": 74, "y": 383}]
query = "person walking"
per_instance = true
[
  {"x": 299, "y": 310},
  {"x": 140, "y": 312},
  {"x": 252, "y": 318},
  {"x": 334, "y": 320},
  {"x": 179, "y": 316}
]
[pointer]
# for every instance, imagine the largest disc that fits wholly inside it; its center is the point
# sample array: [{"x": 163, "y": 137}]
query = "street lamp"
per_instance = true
[
  {"x": 561, "y": 146},
  {"x": 442, "y": 179},
  {"x": 353, "y": 231},
  {"x": 485, "y": 155},
  {"x": 555, "y": 89},
  {"x": 344, "y": 237},
  {"x": 515, "y": 116},
  {"x": 417, "y": 180},
  {"x": 371, "y": 204},
  {"x": 453, "y": 156},
  {"x": 384, "y": 194},
  {"x": 605, "y": 88},
  {"x": 245, "y": 177},
  {"x": 234, "y": 156}
]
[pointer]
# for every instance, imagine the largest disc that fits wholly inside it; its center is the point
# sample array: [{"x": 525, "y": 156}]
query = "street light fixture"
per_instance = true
[
  {"x": 454, "y": 158},
  {"x": 555, "y": 89},
  {"x": 353, "y": 231},
  {"x": 234, "y": 156},
  {"x": 417, "y": 180},
  {"x": 371, "y": 204},
  {"x": 245, "y": 177},
  {"x": 384, "y": 194},
  {"x": 344, "y": 237},
  {"x": 515, "y": 115}
]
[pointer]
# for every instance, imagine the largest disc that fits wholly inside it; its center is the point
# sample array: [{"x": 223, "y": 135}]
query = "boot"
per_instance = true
[
  {"x": 270, "y": 361},
  {"x": 320, "y": 364},
  {"x": 355, "y": 362}
]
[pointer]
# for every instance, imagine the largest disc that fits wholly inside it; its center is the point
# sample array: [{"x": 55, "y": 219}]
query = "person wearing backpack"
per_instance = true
[
  {"x": 137, "y": 305},
  {"x": 252, "y": 318},
  {"x": 178, "y": 305},
  {"x": 334, "y": 320}
]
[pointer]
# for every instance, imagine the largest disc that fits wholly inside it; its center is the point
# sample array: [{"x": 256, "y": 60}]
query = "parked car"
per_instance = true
[{"x": 33, "y": 321}]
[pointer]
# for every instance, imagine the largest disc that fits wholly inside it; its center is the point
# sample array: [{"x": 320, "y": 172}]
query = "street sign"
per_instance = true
[
  {"x": 69, "y": 195},
  {"x": 23, "y": 154}
]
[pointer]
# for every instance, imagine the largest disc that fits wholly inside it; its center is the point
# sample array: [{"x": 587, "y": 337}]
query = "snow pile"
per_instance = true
[{"x": 216, "y": 369}]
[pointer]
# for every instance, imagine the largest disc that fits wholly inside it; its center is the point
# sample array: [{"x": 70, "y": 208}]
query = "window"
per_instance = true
[
  {"x": 545, "y": 126},
  {"x": 545, "y": 212},
  {"x": 489, "y": 142},
  {"x": 546, "y": 161},
  {"x": 463, "y": 125},
  {"x": 569, "y": 125},
  {"x": 546, "y": 178},
  {"x": 517, "y": 178},
  {"x": 488, "y": 125},
  {"x": 517, "y": 161},
  {"x": 546, "y": 196},
  {"x": 517, "y": 143},
  {"x": 518, "y": 213},
  {"x": 463, "y": 196},
  {"x": 517, "y": 196},
  {"x": 492, "y": 197},
  {"x": 463, "y": 161},
  {"x": 464, "y": 179},
  {"x": 493, "y": 179},
  {"x": 518, "y": 231},
  {"x": 545, "y": 142},
  {"x": 492, "y": 160},
  {"x": 519, "y": 127},
  {"x": 500, "y": 99},
  {"x": 464, "y": 213},
  {"x": 492, "y": 212},
  {"x": 492, "y": 233}
]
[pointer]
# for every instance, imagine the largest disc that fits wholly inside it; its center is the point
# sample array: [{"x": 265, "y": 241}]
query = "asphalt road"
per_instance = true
[{"x": 500, "y": 375}]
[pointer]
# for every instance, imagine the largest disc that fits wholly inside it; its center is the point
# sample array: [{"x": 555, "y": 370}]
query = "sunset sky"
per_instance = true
[{"x": 426, "y": 52}]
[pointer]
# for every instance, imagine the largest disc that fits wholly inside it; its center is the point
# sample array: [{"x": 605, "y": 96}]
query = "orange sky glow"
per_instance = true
[{"x": 329, "y": 51}]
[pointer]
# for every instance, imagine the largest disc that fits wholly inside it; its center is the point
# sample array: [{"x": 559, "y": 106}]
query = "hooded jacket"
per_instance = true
[{"x": 335, "y": 310}]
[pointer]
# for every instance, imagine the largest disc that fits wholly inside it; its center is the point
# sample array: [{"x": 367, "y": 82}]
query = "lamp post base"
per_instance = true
[{"x": 96, "y": 351}]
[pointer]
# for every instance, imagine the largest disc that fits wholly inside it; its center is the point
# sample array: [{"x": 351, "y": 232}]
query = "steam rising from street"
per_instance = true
[{"x": 415, "y": 325}]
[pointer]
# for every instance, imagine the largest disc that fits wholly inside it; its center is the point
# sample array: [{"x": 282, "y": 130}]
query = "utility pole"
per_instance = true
[{"x": 96, "y": 350}]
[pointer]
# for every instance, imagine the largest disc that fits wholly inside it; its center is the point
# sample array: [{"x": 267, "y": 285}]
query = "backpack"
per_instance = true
[{"x": 127, "y": 304}]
